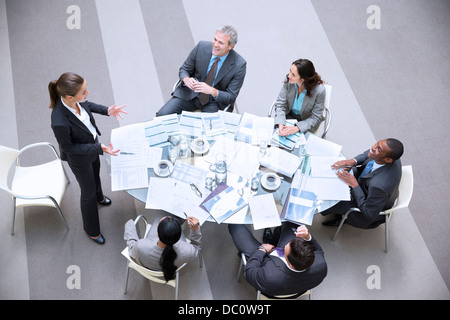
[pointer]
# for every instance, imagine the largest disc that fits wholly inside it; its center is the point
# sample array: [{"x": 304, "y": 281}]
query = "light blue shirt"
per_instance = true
[
  {"x": 219, "y": 64},
  {"x": 298, "y": 101}
]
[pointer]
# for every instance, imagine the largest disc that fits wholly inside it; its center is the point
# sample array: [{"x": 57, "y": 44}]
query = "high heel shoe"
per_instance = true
[{"x": 100, "y": 239}]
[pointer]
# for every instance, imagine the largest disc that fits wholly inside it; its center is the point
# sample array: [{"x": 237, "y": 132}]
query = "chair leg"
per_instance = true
[
  {"x": 66, "y": 175},
  {"x": 14, "y": 215},
  {"x": 62, "y": 216},
  {"x": 241, "y": 264},
  {"x": 339, "y": 228},
  {"x": 386, "y": 233},
  {"x": 126, "y": 279},
  {"x": 176, "y": 284}
]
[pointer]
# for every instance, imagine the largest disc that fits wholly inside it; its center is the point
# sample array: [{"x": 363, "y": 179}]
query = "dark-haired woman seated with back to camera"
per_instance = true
[{"x": 164, "y": 248}]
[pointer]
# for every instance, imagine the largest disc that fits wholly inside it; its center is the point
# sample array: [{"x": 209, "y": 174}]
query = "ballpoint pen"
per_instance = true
[
  {"x": 188, "y": 220},
  {"x": 210, "y": 123}
]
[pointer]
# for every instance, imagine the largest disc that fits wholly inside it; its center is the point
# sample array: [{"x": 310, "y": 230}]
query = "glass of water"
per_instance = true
[
  {"x": 173, "y": 153},
  {"x": 263, "y": 145}
]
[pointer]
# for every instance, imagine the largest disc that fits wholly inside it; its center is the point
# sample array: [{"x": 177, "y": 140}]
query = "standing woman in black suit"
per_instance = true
[{"x": 77, "y": 134}]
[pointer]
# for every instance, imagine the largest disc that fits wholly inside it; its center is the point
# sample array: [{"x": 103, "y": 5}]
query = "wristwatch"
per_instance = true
[{"x": 262, "y": 247}]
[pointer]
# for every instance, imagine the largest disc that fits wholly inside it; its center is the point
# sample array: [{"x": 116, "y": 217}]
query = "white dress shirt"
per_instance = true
[{"x": 83, "y": 117}]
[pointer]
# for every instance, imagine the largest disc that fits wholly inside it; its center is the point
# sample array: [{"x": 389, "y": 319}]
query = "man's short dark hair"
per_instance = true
[
  {"x": 301, "y": 255},
  {"x": 396, "y": 148}
]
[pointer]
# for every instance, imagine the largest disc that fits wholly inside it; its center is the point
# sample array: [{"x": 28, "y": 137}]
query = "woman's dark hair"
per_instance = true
[
  {"x": 308, "y": 73},
  {"x": 169, "y": 232},
  {"x": 301, "y": 255},
  {"x": 68, "y": 84}
]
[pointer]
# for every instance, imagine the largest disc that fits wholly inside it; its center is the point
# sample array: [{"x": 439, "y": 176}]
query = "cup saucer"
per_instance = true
[
  {"x": 163, "y": 174},
  {"x": 199, "y": 146},
  {"x": 270, "y": 186}
]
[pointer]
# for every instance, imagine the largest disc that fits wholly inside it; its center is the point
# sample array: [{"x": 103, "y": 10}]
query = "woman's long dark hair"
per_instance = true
[
  {"x": 68, "y": 84},
  {"x": 308, "y": 73},
  {"x": 169, "y": 232}
]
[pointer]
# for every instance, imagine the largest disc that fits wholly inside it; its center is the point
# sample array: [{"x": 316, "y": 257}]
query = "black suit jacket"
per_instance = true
[
  {"x": 76, "y": 143},
  {"x": 376, "y": 192},
  {"x": 229, "y": 80},
  {"x": 272, "y": 277}
]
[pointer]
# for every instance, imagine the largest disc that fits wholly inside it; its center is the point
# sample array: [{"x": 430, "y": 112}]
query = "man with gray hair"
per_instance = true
[{"x": 211, "y": 77}]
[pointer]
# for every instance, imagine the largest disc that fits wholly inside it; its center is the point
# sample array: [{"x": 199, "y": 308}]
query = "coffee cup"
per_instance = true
[
  {"x": 163, "y": 168},
  {"x": 271, "y": 180},
  {"x": 199, "y": 144}
]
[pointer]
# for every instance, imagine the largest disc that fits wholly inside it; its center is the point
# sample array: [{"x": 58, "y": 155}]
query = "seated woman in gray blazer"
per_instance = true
[
  {"x": 302, "y": 98},
  {"x": 164, "y": 248}
]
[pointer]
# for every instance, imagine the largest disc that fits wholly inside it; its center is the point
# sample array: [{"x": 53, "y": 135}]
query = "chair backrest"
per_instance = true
[
  {"x": 156, "y": 276},
  {"x": 327, "y": 95},
  {"x": 7, "y": 158},
  {"x": 325, "y": 125},
  {"x": 405, "y": 189}
]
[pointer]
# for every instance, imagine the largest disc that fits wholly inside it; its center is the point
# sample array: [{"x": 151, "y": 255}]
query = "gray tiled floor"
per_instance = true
[{"x": 373, "y": 74}]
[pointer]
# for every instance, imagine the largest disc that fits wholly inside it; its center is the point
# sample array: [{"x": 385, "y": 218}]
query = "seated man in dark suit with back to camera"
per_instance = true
[
  {"x": 374, "y": 185},
  {"x": 288, "y": 262},
  {"x": 199, "y": 89}
]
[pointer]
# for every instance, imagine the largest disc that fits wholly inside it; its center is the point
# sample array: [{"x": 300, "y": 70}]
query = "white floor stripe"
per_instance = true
[
  {"x": 132, "y": 71},
  {"x": 135, "y": 83}
]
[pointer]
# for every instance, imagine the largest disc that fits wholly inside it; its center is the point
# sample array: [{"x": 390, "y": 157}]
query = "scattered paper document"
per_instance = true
[
  {"x": 158, "y": 189},
  {"x": 291, "y": 141},
  {"x": 169, "y": 123},
  {"x": 321, "y": 166},
  {"x": 246, "y": 161},
  {"x": 329, "y": 188},
  {"x": 155, "y": 133},
  {"x": 301, "y": 206},
  {"x": 225, "y": 204},
  {"x": 231, "y": 120},
  {"x": 252, "y": 129},
  {"x": 175, "y": 197},
  {"x": 188, "y": 173},
  {"x": 224, "y": 144},
  {"x": 281, "y": 161},
  {"x": 129, "y": 178},
  {"x": 192, "y": 123},
  {"x": 316, "y": 146},
  {"x": 264, "y": 211},
  {"x": 213, "y": 124},
  {"x": 182, "y": 199},
  {"x": 129, "y": 169}
]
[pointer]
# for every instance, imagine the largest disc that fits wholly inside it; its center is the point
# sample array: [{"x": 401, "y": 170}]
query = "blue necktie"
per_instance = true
[{"x": 367, "y": 169}]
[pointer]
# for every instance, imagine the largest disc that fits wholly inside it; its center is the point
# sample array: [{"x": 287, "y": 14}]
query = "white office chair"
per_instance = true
[
  {"x": 230, "y": 108},
  {"x": 405, "y": 191},
  {"x": 325, "y": 124},
  {"x": 156, "y": 276},
  {"x": 261, "y": 296},
  {"x": 38, "y": 185}
]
